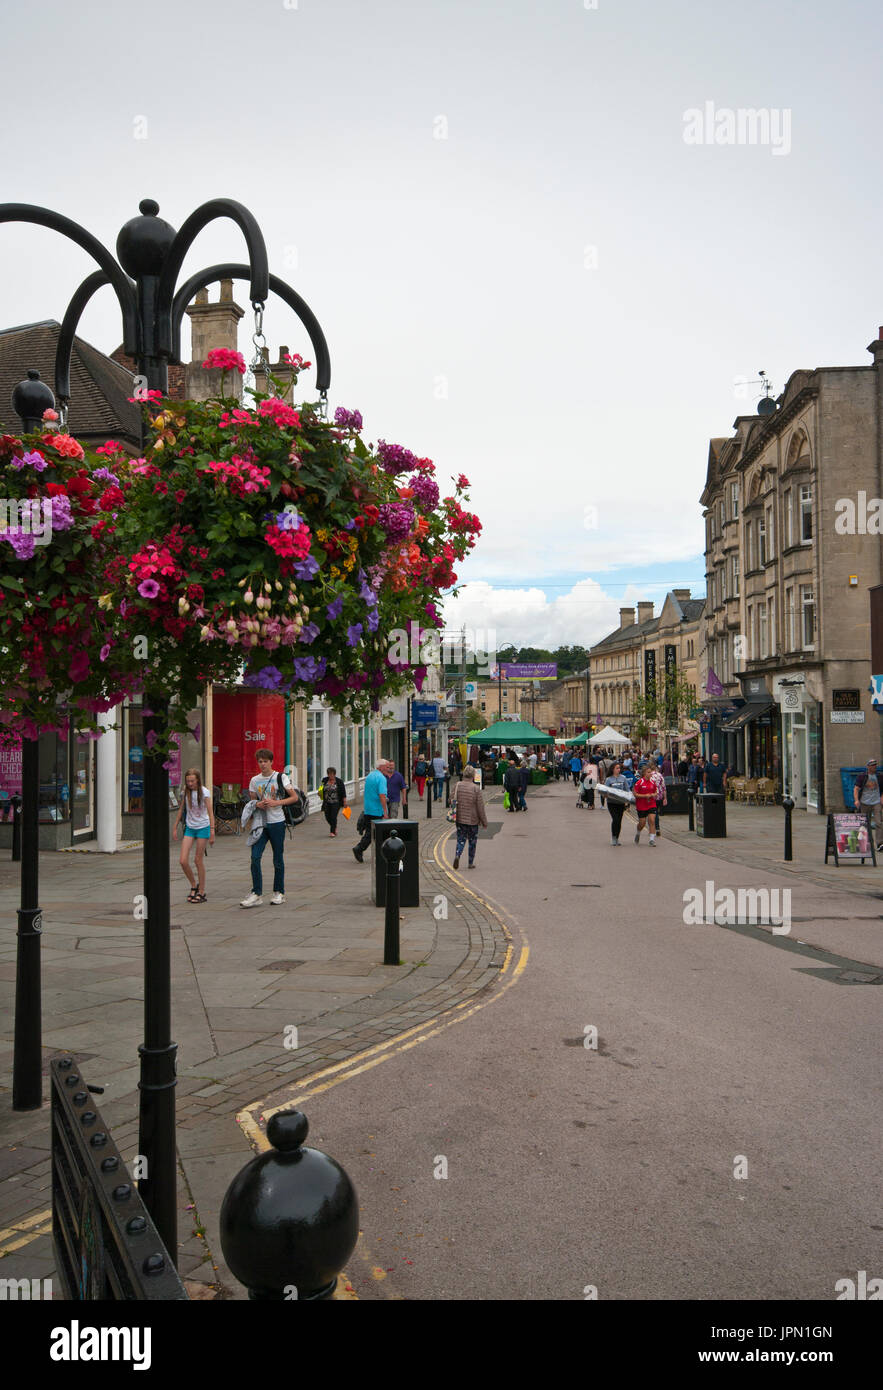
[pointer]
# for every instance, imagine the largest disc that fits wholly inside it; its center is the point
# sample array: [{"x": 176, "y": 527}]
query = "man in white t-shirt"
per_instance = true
[{"x": 264, "y": 789}]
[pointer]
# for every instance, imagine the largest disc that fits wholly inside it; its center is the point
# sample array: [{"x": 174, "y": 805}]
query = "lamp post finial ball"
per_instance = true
[{"x": 144, "y": 241}]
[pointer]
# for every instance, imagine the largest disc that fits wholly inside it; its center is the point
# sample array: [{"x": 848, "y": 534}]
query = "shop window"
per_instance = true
[
  {"x": 347, "y": 754},
  {"x": 315, "y": 749}
]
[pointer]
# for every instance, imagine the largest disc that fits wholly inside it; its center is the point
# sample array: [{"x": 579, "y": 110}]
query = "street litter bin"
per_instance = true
[
  {"x": 409, "y": 878},
  {"x": 848, "y": 778},
  {"x": 678, "y": 802},
  {"x": 711, "y": 815}
]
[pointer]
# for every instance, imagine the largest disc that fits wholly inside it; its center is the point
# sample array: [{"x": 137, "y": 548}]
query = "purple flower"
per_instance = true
[
  {"x": 309, "y": 668},
  {"x": 425, "y": 490},
  {"x": 269, "y": 678},
  {"x": 105, "y": 652},
  {"x": 353, "y": 634},
  {"x": 349, "y": 526},
  {"x": 22, "y": 542},
  {"x": 307, "y": 568},
  {"x": 106, "y": 476},
  {"x": 148, "y": 588},
  {"x": 373, "y": 620},
  {"x": 334, "y": 609},
  {"x": 367, "y": 593},
  {"x": 35, "y": 460},
  {"x": 62, "y": 517},
  {"x": 397, "y": 520},
  {"x": 288, "y": 520},
  {"x": 394, "y": 459},
  {"x": 309, "y": 634},
  {"x": 347, "y": 419}
]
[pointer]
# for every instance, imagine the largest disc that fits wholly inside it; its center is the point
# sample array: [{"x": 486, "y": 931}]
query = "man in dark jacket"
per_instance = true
[
  {"x": 512, "y": 784},
  {"x": 524, "y": 772}
]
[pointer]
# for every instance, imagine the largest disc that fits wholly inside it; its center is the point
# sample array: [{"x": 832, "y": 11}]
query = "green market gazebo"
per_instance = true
[
  {"x": 578, "y": 739},
  {"x": 506, "y": 734}
]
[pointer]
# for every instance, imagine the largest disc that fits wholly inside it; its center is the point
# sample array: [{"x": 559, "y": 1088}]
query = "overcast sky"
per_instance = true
[{"x": 522, "y": 266}]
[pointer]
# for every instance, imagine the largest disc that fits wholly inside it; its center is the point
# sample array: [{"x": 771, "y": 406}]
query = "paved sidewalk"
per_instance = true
[
  {"x": 260, "y": 999},
  {"x": 756, "y": 837}
]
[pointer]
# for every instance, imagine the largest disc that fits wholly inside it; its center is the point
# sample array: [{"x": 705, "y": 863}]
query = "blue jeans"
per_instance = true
[
  {"x": 521, "y": 803},
  {"x": 274, "y": 835},
  {"x": 439, "y": 783}
]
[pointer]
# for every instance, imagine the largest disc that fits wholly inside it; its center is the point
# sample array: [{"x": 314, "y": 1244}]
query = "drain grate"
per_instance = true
[{"x": 277, "y": 965}]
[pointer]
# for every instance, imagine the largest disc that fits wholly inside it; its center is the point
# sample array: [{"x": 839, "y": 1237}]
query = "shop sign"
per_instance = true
[
  {"x": 849, "y": 837},
  {"x": 754, "y": 688},
  {"x": 846, "y": 699}
]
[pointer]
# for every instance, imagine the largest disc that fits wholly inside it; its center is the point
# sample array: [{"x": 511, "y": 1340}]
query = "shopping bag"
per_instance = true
[
  {"x": 505, "y": 801},
  {"x": 347, "y": 812}
]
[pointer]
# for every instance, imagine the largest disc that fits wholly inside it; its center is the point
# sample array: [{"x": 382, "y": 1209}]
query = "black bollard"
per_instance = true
[
  {"x": 691, "y": 793},
  {"x": 429, "y": 788},
  {"x": 290, "y": 1218},
  {"x": 447, "y": 790},
  {"x": 392, "y": 850},
  {"x": 788, "y": 804},
  {"x": 16, "y": 830}
]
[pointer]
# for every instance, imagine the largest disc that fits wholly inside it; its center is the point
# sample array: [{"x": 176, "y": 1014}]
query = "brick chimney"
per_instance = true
[
  {"x": 213, "y": 326},
  {"x": 281, "y": 371},
  {"x": 682, "y": 595},
  {"x": 626, "y": 617},
  {"x": 645, "y": 611}
]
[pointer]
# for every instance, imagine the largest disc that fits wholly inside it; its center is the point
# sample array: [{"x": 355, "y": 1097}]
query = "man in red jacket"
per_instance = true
[{"x": 645, "y": 802}]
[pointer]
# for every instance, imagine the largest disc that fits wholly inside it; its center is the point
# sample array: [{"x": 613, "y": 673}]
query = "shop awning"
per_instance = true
[{"x": 745, "y": 715}]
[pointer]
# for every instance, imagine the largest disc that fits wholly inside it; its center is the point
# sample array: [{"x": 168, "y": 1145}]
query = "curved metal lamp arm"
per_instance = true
[
  {"x": 232, "y": 271},
  {"x": 69, "y": 325},
  {"x": 123, "y": 286},
  {"x": 258, "y": 271}
]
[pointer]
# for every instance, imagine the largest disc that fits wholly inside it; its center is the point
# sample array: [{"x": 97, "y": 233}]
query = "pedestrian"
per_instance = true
[
  {"x": 271, "y": 791},
  {"x": 421, "y": 772},
  {"x": 438, "y": 773},
  {"x": 469, "y": 812},
  {"x": 666, "y": 766},
  {"x": 333, "y": 795},
  {"x": 866, "y": 795},
  {"x": 512, "y": 784},
  {"x": 374, "y": 806},
  {"x": 683, "y": 765},
  {"x": 199, "y": 830},
  {"x": 714, "y": 776},
  {"x": 575, "y": 768},
  {"x": 645, "y": 801},
  {"x": 395, "y": 789},
  {"x": 532, "y": 760},
  {"x": 590, "y": 781},
  {"x": 524, "y": 773},
  {"x": 456, "y": 763},
  {"x": 615, "y": 804},
  {"x": 658, "y": 781}
]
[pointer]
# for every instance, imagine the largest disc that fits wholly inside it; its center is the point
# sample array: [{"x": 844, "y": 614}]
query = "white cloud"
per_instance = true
[{"x": 528, "y": 618}]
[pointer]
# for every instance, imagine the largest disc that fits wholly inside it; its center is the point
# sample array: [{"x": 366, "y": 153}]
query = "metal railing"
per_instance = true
[{"x": 106, "y": 1245}]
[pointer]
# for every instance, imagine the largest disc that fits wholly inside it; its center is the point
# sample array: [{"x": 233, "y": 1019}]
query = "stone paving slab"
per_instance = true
[{"x": 229, "y": 1015}]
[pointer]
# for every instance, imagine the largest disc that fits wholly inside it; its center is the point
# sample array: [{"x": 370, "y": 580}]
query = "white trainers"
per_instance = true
[
  {"x": 253, "y": 900},
  {"x": 276, "y": 899},
  {"x": 653, "y": 839}
]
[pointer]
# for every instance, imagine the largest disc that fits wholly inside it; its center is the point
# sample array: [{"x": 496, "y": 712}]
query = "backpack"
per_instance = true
[
  {"x": 420, "y": 768},
  {"x": 295, "y": 812}
]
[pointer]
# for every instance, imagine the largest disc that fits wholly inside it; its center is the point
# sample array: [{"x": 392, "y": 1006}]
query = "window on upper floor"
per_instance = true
[
  {"x": 761, "y": 541},
  {"x": 735, "y": 575},
  {"x": 789, "y": 516},
  {"x": 762, "y": 630},
  {"x": 808, "y": 604},
  {"x": 749, "y": 547},
  {"x": 721, "y": 516},
  {"x": 734, "y": 501},
  {"x": 790, "y": 619},
  {"x": 806, "y": 513},
  {"x": 770, "y": 529}
]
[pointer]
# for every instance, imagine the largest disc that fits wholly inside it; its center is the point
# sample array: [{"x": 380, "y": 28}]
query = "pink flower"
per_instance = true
[
  {"x": 225, "y": 360},
  {"x": 281, "y": 413},
  {"x": 50, "y": 414},
  {"x": 79, "y": 667}
]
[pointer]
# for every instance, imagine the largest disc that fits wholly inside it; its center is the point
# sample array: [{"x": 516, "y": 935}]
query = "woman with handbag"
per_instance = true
[
  {"x": 333, "y": 794},
  {"x": 469, "y": 813}
]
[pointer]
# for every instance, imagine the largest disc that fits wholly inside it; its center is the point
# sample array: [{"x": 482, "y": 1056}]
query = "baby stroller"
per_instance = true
[{"x": 586, "y": 794}]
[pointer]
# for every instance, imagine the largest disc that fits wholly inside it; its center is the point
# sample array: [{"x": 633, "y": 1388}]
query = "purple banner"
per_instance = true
[
  {"x": 10, "y": 768},
  {"x": 531, "y": 671}
]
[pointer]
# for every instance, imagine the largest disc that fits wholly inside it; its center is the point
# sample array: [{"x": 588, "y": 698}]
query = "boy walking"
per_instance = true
[{"x": 271, "y": 790}]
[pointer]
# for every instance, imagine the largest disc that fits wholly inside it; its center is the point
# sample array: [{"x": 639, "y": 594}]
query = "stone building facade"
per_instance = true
[
  {"x": 790, "y": 557},
  {"x": 640, "y": 652}
]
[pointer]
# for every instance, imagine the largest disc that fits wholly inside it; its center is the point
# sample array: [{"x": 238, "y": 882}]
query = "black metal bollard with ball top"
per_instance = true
[{"x": 290, "y": 1218}]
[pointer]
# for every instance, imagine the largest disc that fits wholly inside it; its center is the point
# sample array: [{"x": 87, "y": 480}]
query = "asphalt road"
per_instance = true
[{"x": 571, "y": 1168}]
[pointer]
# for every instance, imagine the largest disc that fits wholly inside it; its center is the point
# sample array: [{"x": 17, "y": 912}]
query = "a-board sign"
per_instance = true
[{"x": 850, "y": 836}]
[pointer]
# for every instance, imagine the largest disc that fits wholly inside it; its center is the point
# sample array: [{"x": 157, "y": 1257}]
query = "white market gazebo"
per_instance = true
[{"x": 609, "y": 735}]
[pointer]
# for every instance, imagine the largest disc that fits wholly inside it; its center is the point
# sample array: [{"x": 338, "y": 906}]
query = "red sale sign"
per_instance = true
[{"x": 244, "y": 721}]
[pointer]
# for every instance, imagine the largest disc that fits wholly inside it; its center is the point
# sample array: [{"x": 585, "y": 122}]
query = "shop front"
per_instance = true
[
  {"x": 66, "y": 811},
  {"x": 802, "y": 752}
]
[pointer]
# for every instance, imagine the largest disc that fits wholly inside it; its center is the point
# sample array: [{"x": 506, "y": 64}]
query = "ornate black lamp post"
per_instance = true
[{"x": 151, "y": 254}]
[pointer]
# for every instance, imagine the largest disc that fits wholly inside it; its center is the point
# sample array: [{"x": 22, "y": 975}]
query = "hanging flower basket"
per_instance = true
[
  {"x": 271, "y": 544},
  {"x": 58, "y": 510}
]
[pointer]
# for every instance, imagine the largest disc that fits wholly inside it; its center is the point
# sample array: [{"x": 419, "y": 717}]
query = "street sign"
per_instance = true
[{"x": 424, "y": 714}]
